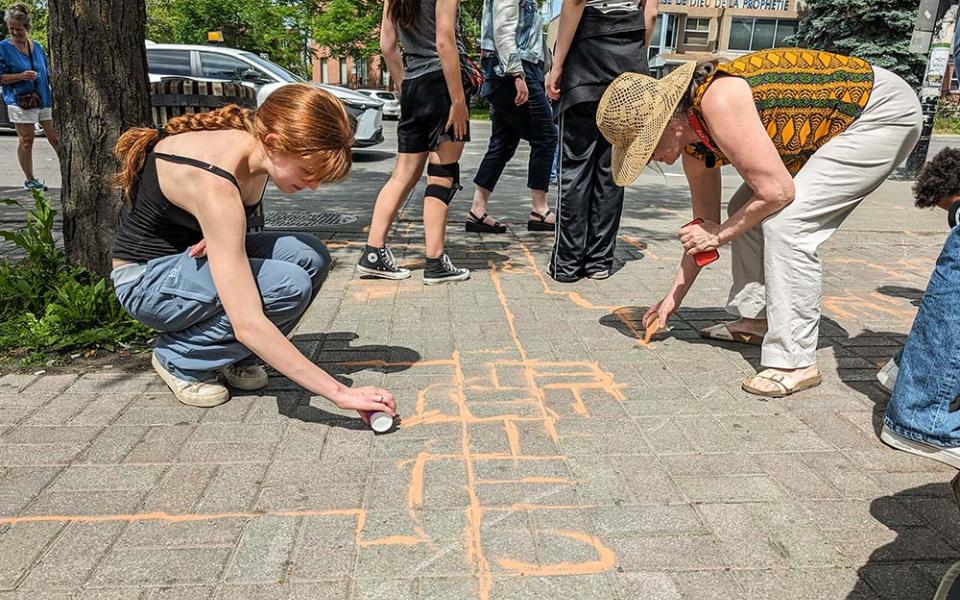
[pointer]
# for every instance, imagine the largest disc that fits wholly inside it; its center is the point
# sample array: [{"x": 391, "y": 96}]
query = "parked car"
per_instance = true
[
  {"x": 6, "y": 124},
  {"x": 217, "y": 63},
  {"x": 391, "y": 103}
]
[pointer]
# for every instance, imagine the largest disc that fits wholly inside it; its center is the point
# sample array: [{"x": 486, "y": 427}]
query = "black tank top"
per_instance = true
[{"x": 156, "y": 227}]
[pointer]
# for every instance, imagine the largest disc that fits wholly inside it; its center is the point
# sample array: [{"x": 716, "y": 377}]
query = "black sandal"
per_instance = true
[
  {"x": 477, "y": 224},
  {"x": 540, "y": 222}
]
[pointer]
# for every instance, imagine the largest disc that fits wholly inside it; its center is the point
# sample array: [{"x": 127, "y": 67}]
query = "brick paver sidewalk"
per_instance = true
[{"x": 544, "y": 453}]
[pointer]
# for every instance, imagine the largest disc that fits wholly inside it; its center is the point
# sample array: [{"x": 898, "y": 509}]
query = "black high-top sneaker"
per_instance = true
[
  {"x": 441, "y": 270},
  {"x": 379, "y": 262}
]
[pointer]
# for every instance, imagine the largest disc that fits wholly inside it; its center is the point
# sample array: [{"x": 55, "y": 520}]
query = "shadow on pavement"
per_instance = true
[
  {"x": 927, "y": 527},
  {"x": 335, "y": 354}
]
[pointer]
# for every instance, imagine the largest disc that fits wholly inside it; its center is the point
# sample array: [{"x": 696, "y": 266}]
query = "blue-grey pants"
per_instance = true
[
  {"x": 176, "y": 296},
  {"x": 925, "y": 403}
]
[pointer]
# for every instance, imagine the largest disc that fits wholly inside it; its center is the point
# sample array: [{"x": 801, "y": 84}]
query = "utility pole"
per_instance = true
[{"x": 934, "y": 34}]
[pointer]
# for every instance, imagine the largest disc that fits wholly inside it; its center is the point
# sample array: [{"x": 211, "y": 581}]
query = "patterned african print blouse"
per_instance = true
[{"x": 804, "y": 98}]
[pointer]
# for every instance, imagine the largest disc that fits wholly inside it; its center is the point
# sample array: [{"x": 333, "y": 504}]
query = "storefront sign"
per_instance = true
[{"x": 759, "y": 5}]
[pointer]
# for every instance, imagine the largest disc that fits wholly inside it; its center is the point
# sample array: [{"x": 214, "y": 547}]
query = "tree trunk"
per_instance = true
[{"x": 100, "y": 88}]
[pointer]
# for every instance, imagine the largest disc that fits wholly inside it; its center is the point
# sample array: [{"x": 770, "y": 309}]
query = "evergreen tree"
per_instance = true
[{"x": 877, "y": 31}]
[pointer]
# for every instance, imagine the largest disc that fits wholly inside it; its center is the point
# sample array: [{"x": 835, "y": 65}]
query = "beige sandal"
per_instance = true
[
  {"x": 722, "y": 332},
  {"x": 784, "y": 383}
]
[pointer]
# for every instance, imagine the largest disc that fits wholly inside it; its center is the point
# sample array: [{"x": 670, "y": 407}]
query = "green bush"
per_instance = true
[
  {"x": 48, "y": 306},
  {"x": 947, "y": 119}
]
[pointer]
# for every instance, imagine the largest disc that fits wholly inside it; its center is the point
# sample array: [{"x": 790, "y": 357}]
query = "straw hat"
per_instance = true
[{"x": 633, "y": 113}]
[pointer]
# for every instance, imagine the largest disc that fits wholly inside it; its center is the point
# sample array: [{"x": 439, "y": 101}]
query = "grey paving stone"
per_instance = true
[
  {"x": 19, "y": 485},
  {"x": 646, "y": 520},
  {"x": 193, "y": 592},
  {"x": 52, "y": 383},
  {"x": 383, "y": 588},
  {"x": 707, "y": 585},
  {"x": 20, "y": 545},
  {"x": 571, "y": 586},
  {"x": 112, "y": 445},
  {"x": 741, "y": 488},
  {"x": 667, "y": 553},
  {"x": 24, "y": 455},
  {"x": 234, "y": 489},
  {"x": 328, "y": 590},
  {"x": 180, "y": 489},
  {"x": 654, "y": 586},
  {"x": 100, "y": 502},
  {"x": 263, "y": 554},
  {"x": 156, "y": 566},
  {"x": 159, "y": 444},
  {"x": 108, "y": 477},
  {"x": 326, "y": 548},
  {"x": 15, "y": 382},
  {"x": 156, "y": 533},
  {"x": 73, "y": 556},
  {"x": 447, "y": 588}
]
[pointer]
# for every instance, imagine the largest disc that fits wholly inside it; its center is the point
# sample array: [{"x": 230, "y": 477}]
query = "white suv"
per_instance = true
[
  {"x": 217, "y": 63},
  {"x": 391, "y": 104}
]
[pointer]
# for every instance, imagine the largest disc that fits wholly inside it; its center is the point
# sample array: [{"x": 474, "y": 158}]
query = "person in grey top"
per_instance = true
[{"x": 434, "y": 125}]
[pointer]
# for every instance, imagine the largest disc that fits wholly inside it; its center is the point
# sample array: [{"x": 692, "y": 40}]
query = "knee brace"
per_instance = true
[{"x": 436, "y": 190}]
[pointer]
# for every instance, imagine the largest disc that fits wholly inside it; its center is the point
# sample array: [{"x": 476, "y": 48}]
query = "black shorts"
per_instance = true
[{"x": 424, "y": 110}]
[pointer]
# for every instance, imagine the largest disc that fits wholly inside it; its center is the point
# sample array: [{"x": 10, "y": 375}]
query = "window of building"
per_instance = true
[
  {"x": 324, "y": 71},
  {"x": 168, "y": 62},
  {"x": 343, "y": 71},
  {"x": 664, "y": 38},
  {"x": 749, "y": 34},
  {"x": 696, "y": 32}
]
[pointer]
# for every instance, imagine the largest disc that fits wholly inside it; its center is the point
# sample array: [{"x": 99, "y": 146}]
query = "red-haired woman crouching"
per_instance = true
[{"x": 185, "y": 265}]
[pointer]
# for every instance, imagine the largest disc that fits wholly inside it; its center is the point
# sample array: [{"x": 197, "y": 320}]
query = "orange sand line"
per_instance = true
[
  {"x": 606, "y": 561},
  {"x": 182, "y": 518}
]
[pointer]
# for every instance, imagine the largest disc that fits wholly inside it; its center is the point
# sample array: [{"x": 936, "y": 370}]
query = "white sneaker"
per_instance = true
[
  {"x": 604, "y": 274},
  {"x": 948, "y": 456},
  {"x": 246, "y": 377},
  {"x": 887, "y": 376},
  {"x": 192, "y": 393}
]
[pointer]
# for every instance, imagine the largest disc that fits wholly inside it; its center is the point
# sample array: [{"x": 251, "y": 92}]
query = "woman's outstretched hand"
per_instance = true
[
  {"x": 365, "y": 400},
  {"x": 662, "y": 310}
]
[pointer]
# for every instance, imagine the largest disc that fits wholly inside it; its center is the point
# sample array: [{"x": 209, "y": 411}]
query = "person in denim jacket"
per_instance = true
[
  {"x": 923, "y": 416},
  {"x": 512, "y": 61}
]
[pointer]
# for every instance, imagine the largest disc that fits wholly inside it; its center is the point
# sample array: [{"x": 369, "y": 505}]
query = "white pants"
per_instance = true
[{"x": 776, "y": 265}]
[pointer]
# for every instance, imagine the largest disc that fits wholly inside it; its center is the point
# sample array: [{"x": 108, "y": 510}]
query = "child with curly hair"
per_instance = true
[{"x": 923, "y": 416}]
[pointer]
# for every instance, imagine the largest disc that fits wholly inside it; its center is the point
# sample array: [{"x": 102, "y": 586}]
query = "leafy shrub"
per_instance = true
[
  {"x": 947, "y": 119},
  {"x": 47, "y": 305}
]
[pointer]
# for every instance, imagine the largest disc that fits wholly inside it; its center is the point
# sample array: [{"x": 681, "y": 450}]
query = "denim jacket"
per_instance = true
[{"x": 513, "y": 31}]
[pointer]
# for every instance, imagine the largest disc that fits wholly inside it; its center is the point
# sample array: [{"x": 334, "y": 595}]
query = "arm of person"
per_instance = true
[
  {"x": 651, "y": 8},
  {"x": 730, "y": 113},
  {"x": 570, "y": 14},
  {"x": 450, "y": 61},
  {"x": 220, "y": 213},
  {"x": 705, "y": 187},
  {"x": 506, "y": 17},
  {"x": 389, "y": 48}
]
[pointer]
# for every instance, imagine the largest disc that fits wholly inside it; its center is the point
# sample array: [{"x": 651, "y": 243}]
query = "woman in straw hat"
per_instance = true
[{"x": 812, "y": 134}]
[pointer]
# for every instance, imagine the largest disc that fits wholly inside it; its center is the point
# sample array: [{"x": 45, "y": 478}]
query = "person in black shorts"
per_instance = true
[{"x": 434, "y": 125}]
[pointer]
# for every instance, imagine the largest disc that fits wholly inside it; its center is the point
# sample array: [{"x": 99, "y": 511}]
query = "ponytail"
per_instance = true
[
  {"x": 307, "y": 122},
  {"x": 135, "y": 143}
]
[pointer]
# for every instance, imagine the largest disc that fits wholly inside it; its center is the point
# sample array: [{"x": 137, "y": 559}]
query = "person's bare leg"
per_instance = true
[
  {"x": 26, "y": 135},
  {"x": 406, "y": 173},
  {"x": 435, "y": 209},
  {"x": 50, "y": 131},
  {"x": 539, "y": 201},
  {"x": 481, "y": 198}
]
